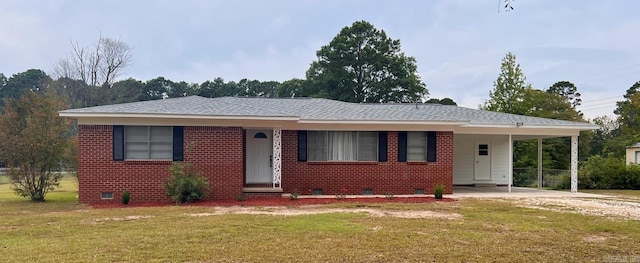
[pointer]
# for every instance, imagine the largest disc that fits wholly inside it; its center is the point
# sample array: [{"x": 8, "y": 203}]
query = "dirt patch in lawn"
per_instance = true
[
  {"x": 312, "y": 210},
  {"x": 612, "y": 208},
  {"x": 281, "y": 202}
]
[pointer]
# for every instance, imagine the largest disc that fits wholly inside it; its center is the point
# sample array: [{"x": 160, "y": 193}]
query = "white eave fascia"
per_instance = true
[
  {"x": 174, "y": 116},
  {"x": 378, "y": 122},
  {"x": 586, "y": 127}
]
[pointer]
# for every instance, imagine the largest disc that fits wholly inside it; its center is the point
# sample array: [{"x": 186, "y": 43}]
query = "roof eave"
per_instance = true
[
  {"x": 77, "y": 115},
  {"x": 586, "y": 127},
  {"x": 398, "y": 122}
]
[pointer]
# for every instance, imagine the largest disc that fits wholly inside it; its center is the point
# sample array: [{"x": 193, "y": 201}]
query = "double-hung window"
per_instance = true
[
  {"x": 148, "y": 143},
  {"x": 342, "y": 146},
  {"x": 417, "y": 146}
]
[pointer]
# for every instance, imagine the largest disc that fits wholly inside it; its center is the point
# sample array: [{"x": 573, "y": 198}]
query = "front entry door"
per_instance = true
[
  {"x": 259, "y": 157},
  {"x": 482, "y": 169}
]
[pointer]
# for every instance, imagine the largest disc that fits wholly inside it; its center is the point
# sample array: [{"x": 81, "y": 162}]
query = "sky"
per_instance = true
[{"x": 458, "y": 44}]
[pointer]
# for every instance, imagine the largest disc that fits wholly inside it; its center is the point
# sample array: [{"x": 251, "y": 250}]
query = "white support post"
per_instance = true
[
  {"x": 277, "y": 157},
  {"x": 539, "y": 162},
  {"x": 510, "y": 162},
  {"x": 574, "y": 164}
]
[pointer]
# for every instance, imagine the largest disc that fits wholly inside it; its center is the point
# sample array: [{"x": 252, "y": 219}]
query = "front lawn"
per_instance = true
[{"x": 60, "y": 230}]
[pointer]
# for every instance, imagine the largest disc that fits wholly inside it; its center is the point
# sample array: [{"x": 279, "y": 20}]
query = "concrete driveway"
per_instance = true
[{"x": 516, "y": 192}]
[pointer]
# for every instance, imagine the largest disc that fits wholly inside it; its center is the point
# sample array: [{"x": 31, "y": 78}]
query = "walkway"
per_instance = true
[{"x": 516, "y": 192}]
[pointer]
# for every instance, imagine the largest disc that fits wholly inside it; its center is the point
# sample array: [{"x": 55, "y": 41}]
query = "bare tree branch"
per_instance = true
[{"x": 97, "y": 66}]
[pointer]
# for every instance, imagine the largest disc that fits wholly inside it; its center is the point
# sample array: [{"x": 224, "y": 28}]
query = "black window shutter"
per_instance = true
[
  {"x": 178, "y": 143},
  {"x": 432, "y": 147},
  {"x": 402, "y": 146},
  {"x": 302, "y": 146},
  {"x": 118, "y": 143},
  {"x": 382, "y": 146}
]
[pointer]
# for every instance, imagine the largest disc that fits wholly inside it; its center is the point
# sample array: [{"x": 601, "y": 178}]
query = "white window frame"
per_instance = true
[
  {"x": 148, "y": 144},
  {"x": 323, "y": 154},
  {"x": 416, "y": 146}
]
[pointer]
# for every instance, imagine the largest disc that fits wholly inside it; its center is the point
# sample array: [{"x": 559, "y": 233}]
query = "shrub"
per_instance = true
[
  {"x": 126, "y": 196},
  {"x": 438, "y": 191},
  {"x": 605, "y": 173},
  {"x": 241, "y": 197},
  {"x": 389, "y": 196},
  {"x": 294, "y": 196},
  {"x": 342, "y": 194},
  {"x": 185, "y": 184}
]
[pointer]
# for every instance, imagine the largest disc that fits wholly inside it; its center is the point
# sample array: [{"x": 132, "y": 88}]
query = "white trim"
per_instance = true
[
  {"x": 510, "y": 162},
  {"x": 586, "y": 126},
  {"x": 540, "y": 162}
]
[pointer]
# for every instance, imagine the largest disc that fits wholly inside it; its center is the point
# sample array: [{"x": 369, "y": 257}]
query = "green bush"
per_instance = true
[
  {"x": 605, "y": 173},
  {"x": 185, "y": 184},
  {"x": 438, "y": 191},
  {"x": 126, "y": 196}
]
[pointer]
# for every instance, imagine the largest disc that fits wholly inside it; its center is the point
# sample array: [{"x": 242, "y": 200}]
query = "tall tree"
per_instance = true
[
  {"x": 510, "y": 89},
  {"x": 99, "y": 65},
  {"x": 567, "y": 90},
  {"x": 128, "y": 90},
  {"x": 362, "y": 64},
  {"x": 603, "y": 138},
  {"x": 549, "y": 105},
  {"x": 445, "y": 101},
  {"x": 74, "y": 92},
  {"x": 291, "y": 88},
  {"x": 33, "y": 142},
  {"x": 255, "y": 88},
  {"x": 218, "y": 88},
  {"x": 628, "y": 110},
  {"x": 33, "y": 79},
  {"x": 3, "y": 81}
]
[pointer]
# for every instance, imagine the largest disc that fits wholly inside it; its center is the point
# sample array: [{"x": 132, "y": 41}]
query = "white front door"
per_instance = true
[
  {"x": 259, "y": 160},
  {"x": 482, "y": 170}
]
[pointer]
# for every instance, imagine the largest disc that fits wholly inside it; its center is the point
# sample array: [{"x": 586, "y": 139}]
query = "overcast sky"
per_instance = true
[{"x": 458, "y": 44}]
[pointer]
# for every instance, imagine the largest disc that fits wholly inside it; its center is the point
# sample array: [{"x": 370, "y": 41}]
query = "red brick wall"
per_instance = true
[
  {"x": 385, "y": 177},
  {"x": 216, "y": 151}
]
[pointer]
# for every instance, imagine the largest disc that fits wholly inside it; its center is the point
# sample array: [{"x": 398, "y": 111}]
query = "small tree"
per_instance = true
[{"x": 33, "y": 141}]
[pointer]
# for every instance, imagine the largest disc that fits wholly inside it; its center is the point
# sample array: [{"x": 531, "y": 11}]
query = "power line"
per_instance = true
[
  {"x": 587, "y": 101},
  {"x": 587, "y": 76}
]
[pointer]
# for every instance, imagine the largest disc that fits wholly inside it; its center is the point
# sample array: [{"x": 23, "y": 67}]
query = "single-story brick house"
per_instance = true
[{"x": 274, "y": 146}]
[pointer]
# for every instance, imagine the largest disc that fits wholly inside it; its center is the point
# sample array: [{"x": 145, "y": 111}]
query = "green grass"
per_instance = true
[{"x": 60, "y": 230}]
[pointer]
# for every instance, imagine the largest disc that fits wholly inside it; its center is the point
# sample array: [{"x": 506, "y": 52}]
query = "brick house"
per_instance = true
[{"x": 275, "y": 146}]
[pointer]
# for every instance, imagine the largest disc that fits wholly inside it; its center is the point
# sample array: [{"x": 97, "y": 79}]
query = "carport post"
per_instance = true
[
  {"x": 574, "y": 164},
  {"x": 539, "y": 162},
  {"x": 510, "y": 162}
]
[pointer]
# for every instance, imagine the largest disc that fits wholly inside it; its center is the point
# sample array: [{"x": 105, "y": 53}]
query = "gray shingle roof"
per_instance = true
[{"x": 319, "y": 109}]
